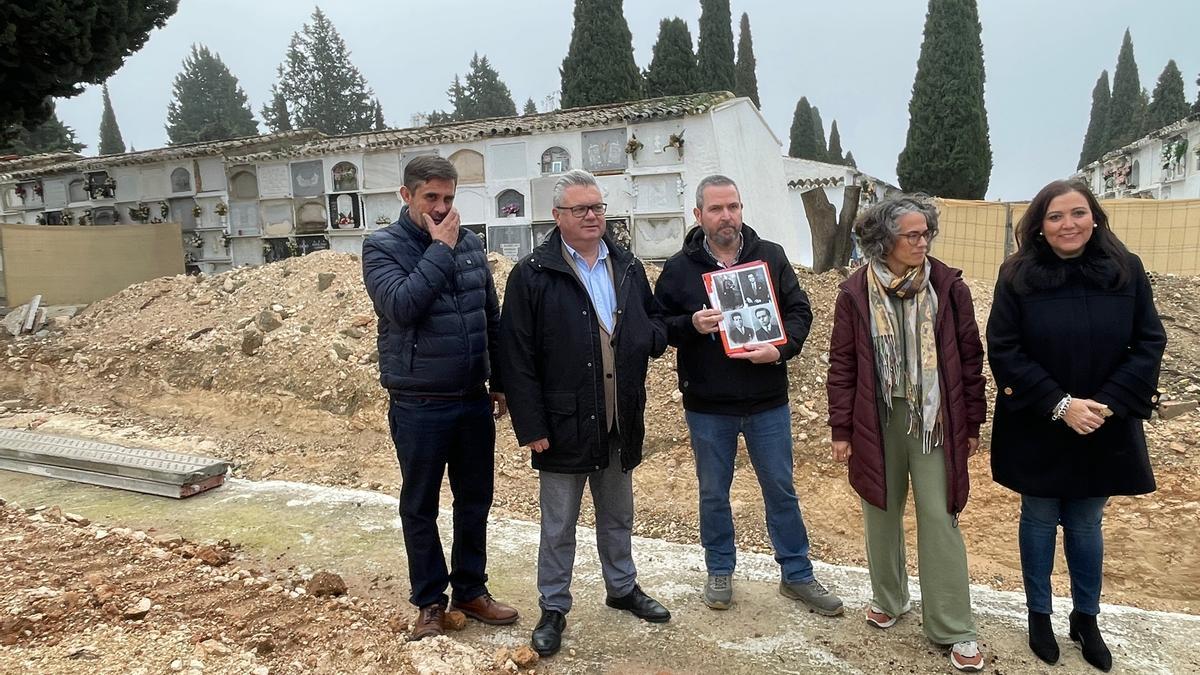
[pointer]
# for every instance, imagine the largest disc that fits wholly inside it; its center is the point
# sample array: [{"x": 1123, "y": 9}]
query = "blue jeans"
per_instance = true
[
  {"x": 769, "y": 443},
  {"x": 434, "y": 437},
  {"x": 1083, "y": 544}
]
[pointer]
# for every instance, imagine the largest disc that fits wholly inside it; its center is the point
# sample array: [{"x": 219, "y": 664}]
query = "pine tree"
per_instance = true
[
  {"x": 673, "y": 66},
  {"x": 599, "y": 66},
  {"x": 802, "y": 136},
  {"x": 485, "y": 94},
  {"x": 275, "y": 113},
  {"x": 1169, "y": 103},
  {"x": 1125, "y": 121},
  {"x": 209, "y": 104},
  {"x": 1097, "y": 131},
  {"x": 377, "y": 113},
  {"x": 530, "y": 107},
  {"x": 111, "y": 142},
  {"x": 50, "y": 47},
  {"x": 49, "y": 136},
  {"x": 947, "y": 152},
  {"x": 745, "y": 79},
  {"x": 835, "y": 145},
  {"x": 821, "y": 152},
  {"x": 322, "y": 88},
  {"x": 714, "y": 55},
  {"x": 850, "y": 159}
]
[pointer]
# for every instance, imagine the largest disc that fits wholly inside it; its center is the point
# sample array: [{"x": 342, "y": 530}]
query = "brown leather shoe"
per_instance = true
[
  {"x": 486, "y": 609},
  {"x": 429, "y": 622}
]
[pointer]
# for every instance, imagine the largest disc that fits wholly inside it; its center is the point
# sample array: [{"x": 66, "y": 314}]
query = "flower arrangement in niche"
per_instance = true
[
  {"x": 140, "y": 213},
  {"x": 383, "y": 220},
  {"x": 164, "y": 210},
  {"x": 41, "y": 219},
  {"x": 68, "y": 218},
  {"x": 221, "y": 208},
  {"x": 676, "y": 141},
  {"x": 293, "y": 247},
  {"x": 37, "y": 188},
  {"x": 511, "y": 209},
  {"x": 197, "y": 211},
  {"x": 346, "y": 219},
  {"x": 632, "y": 147},
  {"x": 188, "y": 258},
  {"x": 109, "y": 189},
  {"x": 20, "y": 190},
  {"x": 196, "y": 241}
]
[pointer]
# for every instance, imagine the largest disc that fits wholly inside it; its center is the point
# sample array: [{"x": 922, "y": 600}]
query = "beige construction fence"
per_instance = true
[
  {"x": 976, "y": 236},
  {"x": 79, "y": 265}
]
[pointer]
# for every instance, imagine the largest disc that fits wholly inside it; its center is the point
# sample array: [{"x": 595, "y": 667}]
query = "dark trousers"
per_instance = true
[{"x": 433, "y": 437}]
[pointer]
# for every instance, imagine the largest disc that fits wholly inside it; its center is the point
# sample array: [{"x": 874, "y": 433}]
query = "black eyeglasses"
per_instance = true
[
  {"x": 582, "y": 210},
  {"x": 914, "y": 237}
]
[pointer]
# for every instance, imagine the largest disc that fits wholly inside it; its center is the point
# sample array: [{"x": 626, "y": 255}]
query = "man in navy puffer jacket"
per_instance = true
[{"x": 439, "y": 317}]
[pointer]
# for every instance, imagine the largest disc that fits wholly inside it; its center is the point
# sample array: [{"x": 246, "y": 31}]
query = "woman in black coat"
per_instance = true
[{"x": 1075, "y": 344}]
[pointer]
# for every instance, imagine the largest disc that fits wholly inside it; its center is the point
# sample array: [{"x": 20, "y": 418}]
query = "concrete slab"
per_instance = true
[
  {"x": 357, "y": 533},
  {"x": 157, "y": 472}
]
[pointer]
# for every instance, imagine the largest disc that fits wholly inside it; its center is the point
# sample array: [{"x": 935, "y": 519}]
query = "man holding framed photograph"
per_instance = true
[{"x": 744, "y": 392}]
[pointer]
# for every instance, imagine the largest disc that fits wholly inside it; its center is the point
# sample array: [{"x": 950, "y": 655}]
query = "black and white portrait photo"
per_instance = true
[
  {"x": 766, "y": 325},
  {"x": 737, "y": 327},
  {"x": 754, "y": 287},
  {"x": 728, "y": 294}
]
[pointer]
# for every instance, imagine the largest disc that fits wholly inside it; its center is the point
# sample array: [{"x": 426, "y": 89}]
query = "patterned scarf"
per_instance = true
[{"x": 919, "y": 360}]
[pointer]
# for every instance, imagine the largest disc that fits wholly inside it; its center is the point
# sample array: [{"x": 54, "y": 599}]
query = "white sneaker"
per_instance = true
[
  {"x": 881, "y": 619},
  {"x": 966, "y": 656}
]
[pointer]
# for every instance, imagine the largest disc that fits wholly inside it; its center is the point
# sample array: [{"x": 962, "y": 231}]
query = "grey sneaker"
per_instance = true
[
  {"x": 718, "y": 591},
  {"x": 814, "y": 595}
]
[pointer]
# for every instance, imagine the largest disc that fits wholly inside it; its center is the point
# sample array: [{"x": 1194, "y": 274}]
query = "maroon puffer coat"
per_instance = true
[{"x": 853, "y": 383}]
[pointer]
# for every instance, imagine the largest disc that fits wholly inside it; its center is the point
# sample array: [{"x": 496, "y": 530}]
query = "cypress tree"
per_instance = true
[
  {"x": 209, "y": 104},
  {"x": 275, "y": 113},
  {"x": 530, "y": 107},
  {"x": 714, "y": 56},
  {"x": 821, "y": 152},
  {"x": 379, "y": 124},
  {"x": 1097, "y": 130},
  {"x": 803, "y": 137},
  {"x": 850, "y": 159},
  {"x": 673, "y": 66},
  {"x": 746, "y": 81},
  {"x": 322, "y": 88},
  {"x": 1169, "y": 103},
  {"x": 111, "y": 142},
  {"x": 947, "y": 152},
  {"x": 835, "y": 145},
  {"x": 49, "y": 48},
  {"x": 1196, "y": 105},
  {"x": 1125, "y": 119},
  {"x": 599, "y": 66},
  {"x": 49, "y": 136}
]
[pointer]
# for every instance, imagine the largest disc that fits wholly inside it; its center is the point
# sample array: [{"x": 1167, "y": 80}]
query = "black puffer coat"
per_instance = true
[{"x": 439, "y": 317}]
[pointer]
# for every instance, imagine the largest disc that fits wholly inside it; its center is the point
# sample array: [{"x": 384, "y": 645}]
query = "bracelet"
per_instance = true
[{"x": 1061, "y": 408}]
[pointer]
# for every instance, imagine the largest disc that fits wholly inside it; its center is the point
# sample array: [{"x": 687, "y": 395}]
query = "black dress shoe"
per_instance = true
[
  {"x": 640, "y": 605},
  {"x": 1085, "y": 631},
  {"x": 547, "y": 636},
  {"x": 1041, "y": 638}
]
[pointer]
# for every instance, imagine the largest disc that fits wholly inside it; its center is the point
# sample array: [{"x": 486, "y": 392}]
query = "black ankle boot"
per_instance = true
[
  {"x": 1041, "y": 638},
  {"x": 1085, "y": 631}
]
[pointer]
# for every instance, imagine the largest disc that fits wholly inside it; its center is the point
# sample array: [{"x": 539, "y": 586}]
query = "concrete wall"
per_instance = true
[{"x": 79, "y": 265}]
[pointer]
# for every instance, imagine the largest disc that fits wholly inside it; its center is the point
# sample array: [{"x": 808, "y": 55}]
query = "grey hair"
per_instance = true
[
  {"x": 714, "y": 180},
  {"x": 572, "y": 178},
  {"x": 877, "y": 229}
]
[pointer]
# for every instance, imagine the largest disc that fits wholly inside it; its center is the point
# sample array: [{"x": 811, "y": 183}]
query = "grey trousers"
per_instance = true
[{"x": 560, "y": 495}]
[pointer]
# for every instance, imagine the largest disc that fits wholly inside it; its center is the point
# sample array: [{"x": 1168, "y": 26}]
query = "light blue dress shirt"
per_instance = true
[{"x": 598, "y": 282}]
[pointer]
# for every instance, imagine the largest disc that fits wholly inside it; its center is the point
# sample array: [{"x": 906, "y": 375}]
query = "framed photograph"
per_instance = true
[{"x": 746, "y": 297}]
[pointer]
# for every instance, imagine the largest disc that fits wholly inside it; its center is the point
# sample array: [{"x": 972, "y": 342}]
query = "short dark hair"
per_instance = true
[
  {"x": 764, "y": 310},
  {"x": 422, "y": 169}
]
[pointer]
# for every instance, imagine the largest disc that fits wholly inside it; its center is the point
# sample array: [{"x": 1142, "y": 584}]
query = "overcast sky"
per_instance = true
[{"x": 853, "y": 60}]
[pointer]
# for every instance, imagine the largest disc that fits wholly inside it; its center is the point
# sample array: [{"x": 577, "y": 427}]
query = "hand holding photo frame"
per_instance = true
[{"x": 746, "y": 297}]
